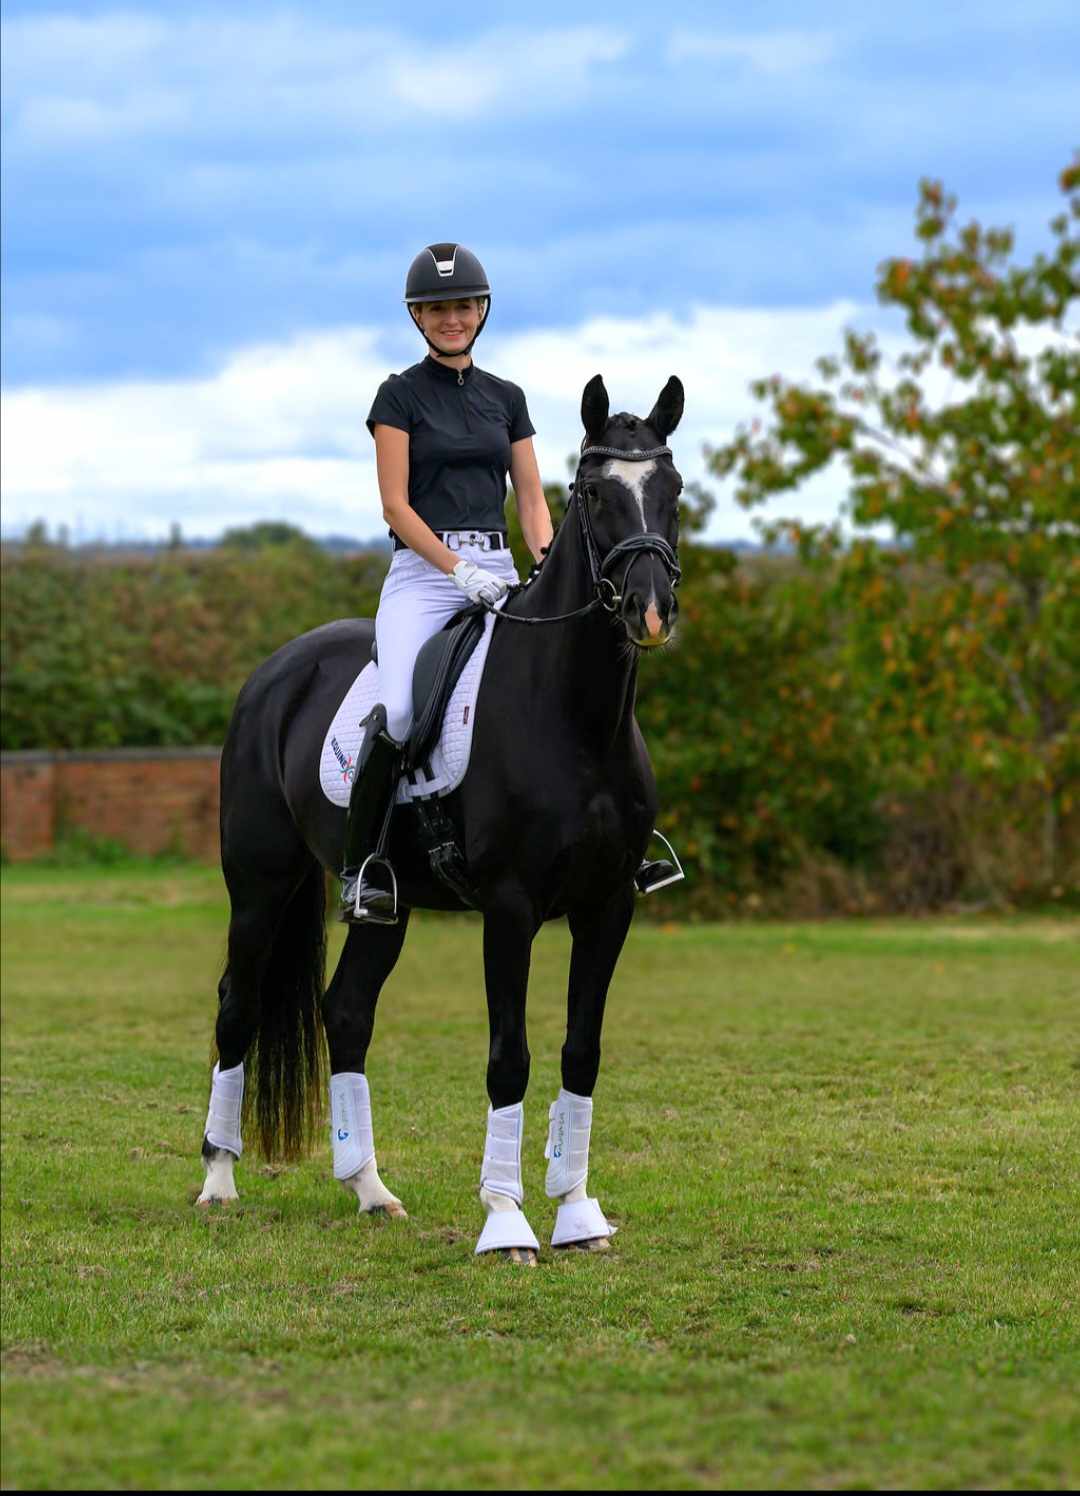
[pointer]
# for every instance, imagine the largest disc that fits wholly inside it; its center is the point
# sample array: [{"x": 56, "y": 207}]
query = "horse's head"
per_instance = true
[{"x": 630, "y": 503}]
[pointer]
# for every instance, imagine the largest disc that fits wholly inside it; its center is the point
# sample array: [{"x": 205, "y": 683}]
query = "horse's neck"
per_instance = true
[{"x": 593, "y": 667}]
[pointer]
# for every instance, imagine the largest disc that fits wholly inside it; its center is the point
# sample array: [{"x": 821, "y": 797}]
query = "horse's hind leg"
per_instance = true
[
  {"x": 367, "y": 959},
  {"x": 598, "y": 936},
  {"x": 258, "y": 904}
]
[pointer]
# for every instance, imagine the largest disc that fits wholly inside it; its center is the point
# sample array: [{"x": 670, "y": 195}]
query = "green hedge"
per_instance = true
[{"x": 778, "y": 785}]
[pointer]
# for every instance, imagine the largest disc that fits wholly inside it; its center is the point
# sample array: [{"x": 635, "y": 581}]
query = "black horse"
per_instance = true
[{"x": 553, "y": 816}]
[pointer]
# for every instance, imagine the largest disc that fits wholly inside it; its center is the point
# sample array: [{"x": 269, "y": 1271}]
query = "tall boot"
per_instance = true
[{"x": 365, "y": 896}]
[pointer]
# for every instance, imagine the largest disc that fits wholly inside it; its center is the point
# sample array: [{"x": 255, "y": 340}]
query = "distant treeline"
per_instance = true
[{"x": 789, "y": 780}]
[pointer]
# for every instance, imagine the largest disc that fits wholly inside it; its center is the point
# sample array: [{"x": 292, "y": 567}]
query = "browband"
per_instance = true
[{"x": 637, "y": 456}]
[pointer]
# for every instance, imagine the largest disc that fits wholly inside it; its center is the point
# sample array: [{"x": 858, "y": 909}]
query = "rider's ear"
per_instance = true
[
  {"x": 667, "y": 412},
  {"x": 594, "y": 407}
]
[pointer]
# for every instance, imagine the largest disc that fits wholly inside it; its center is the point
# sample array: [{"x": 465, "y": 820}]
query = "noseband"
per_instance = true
[{"x": 607, "y": 596}]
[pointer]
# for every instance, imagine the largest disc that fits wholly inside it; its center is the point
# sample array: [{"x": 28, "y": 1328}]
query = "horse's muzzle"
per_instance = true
[{"x": 650, "y": 626}]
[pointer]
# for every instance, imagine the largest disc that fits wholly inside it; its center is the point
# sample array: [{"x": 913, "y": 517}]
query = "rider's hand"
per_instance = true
[{"x": 478, "y": 585}]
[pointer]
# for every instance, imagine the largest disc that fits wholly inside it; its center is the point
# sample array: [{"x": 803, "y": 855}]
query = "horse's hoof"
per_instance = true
[
  {"x": 594, "y": 1244},
  {"x": 523, "y": 1256},
  {"x": 206, "y": 1201},
  {"x": 393, "y": 1210}
]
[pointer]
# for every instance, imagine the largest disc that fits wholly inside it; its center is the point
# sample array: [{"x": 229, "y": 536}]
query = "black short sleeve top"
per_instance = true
[{"x": 460, "y": 434}]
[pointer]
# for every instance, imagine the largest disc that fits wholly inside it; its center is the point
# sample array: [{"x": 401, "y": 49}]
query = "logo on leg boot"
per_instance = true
[
  {"x": 342, "y": 1134},
  {"x": 560, "y": 1138}
]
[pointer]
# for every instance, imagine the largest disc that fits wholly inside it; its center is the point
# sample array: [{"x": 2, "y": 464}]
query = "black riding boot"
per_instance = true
[{"x": 368, "y": 885}]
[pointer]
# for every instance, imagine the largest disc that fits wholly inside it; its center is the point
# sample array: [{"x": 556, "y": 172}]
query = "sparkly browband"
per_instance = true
[{"x": 637, "y": 456}]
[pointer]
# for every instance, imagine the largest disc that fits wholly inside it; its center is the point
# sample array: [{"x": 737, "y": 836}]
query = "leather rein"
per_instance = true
[{"x": 606, "y": 594}]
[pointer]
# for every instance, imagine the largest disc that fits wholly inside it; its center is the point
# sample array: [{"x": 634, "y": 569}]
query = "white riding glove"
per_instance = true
[{"x": 478, "y": 585}]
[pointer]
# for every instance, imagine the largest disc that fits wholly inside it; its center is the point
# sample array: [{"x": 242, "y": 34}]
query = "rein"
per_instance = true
[{"x": 607, "y": 597}]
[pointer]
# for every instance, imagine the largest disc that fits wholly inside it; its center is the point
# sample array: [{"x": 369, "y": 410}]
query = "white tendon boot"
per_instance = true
[
  {"x": 222, "y": 1132},
  {"x": 579, "y": 1219},
  {"x": 353, "y": 1143},
  {"x": 501, "y": 1193}
]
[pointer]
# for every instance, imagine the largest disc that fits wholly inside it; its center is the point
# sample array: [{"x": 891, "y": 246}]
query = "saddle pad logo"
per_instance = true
[{"x": 343, "y": 758}]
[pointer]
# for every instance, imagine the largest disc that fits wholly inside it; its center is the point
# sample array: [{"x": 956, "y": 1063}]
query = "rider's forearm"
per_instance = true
[
  {"x": 417, "y": 535},
  {"x": 535, "y": 521}
]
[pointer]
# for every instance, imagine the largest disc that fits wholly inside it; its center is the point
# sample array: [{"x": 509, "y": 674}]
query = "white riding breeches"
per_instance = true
[{"x": 416, "y": 600}]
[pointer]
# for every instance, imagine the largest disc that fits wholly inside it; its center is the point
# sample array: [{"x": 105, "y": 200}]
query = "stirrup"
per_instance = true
[
  {"x": 653, "y": 875},
  {"x": 371, "y": 905}
]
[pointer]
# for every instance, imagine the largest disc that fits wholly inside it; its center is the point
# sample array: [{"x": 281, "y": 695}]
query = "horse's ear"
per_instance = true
[
  {"x": 667, "y": 412},
  {"x": 594, "y": 407}
]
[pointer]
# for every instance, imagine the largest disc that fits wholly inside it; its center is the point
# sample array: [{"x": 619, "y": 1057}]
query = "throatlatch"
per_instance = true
[{"x": 226, "y": 1102}]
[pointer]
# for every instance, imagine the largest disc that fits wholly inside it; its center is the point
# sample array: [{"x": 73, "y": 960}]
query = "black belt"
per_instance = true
[{"x": 486, "y": 540}]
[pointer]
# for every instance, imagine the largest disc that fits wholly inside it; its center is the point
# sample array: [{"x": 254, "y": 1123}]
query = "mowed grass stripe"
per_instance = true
[{"x": 843, "y": 1160}]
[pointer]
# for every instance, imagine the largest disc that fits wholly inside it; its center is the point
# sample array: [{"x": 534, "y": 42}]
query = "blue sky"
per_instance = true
[{"x": 208, "y": 212}]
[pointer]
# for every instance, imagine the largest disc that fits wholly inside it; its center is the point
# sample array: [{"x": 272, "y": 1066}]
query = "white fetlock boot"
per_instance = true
[
  {"x": 353, "y": 1142},
  {"x": 579, "y": 1221},
  {"x": 506, "y": 1229},
  {"x": 222, "y": 1133}
]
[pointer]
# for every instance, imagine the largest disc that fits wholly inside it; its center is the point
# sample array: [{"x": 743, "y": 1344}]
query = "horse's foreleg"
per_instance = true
[
  {"x": 367, "y": 959},
  {"x": 598, "y": 936},
  {"x": 509, "y": 928}
]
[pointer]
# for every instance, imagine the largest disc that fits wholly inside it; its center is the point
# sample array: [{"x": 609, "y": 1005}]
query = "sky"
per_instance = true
[{"x": 208, "y": 213}]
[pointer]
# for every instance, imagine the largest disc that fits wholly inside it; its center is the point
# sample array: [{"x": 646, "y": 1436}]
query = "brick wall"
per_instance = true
[{"x": 150, "y": 799}]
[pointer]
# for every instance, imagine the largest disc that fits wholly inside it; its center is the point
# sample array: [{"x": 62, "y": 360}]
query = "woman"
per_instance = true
[{"x": 446, "y": 436}]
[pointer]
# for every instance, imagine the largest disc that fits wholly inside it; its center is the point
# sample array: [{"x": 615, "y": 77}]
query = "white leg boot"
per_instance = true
[
  {"x": 353, "y": 1142},
  {"x": 222, "y": 1133},
  {"x": 501, "y": 1194},
  {"x": 579, "y": 1221}
]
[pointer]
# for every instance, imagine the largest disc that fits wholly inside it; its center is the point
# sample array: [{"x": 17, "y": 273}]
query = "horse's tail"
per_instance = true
[{"x": 286, "y": 1066}]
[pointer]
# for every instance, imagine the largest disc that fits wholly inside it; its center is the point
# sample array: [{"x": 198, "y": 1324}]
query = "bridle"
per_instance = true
[{"x": 606, "y": 595}]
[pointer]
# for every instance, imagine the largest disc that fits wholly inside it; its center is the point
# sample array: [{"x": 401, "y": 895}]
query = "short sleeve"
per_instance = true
[
  {"x": 520, "y": 425},
  {"x": 391, "y": 406}
]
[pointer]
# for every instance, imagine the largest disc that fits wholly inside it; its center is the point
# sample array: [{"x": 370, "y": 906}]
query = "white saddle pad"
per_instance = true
[{"x": 444, "y": 768}]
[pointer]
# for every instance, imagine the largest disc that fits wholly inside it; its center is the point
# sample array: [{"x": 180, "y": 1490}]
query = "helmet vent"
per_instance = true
[{"x": 444, "y": 256}]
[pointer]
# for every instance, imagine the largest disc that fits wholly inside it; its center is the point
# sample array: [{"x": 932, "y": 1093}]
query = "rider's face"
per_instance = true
[{"x": 449, "y": 324}]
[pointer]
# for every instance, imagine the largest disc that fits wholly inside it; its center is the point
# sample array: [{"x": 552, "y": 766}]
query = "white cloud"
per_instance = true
[
  {"x": 71, "y": 80},
  {"x": 769, "y": 52},
  {"x": 278, "y": 431}
]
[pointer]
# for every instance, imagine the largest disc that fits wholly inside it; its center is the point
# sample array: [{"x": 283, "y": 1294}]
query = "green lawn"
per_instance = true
[{"x": 843, "y": 1159}]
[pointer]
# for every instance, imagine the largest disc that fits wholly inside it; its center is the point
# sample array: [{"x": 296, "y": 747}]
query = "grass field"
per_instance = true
[{"x": 843, "y": 1159}]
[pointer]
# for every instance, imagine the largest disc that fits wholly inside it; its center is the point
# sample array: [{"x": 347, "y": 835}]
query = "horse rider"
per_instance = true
[{"x": 446, "y": 434}]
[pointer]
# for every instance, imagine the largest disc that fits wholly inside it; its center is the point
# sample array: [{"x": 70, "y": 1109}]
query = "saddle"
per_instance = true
[{"x": 436, "y": 672}]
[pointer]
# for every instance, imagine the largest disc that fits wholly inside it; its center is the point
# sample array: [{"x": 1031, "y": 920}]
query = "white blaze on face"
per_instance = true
[{"x": 634, "y": 476}]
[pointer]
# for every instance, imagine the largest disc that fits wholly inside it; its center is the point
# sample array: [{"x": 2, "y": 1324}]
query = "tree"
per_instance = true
[
  {"x": 969, "y": 450},
  {"x": 266, "y": 532}
]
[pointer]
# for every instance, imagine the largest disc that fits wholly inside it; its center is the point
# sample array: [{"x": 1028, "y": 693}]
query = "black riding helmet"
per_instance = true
[{"x": 447, "y": 272}]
